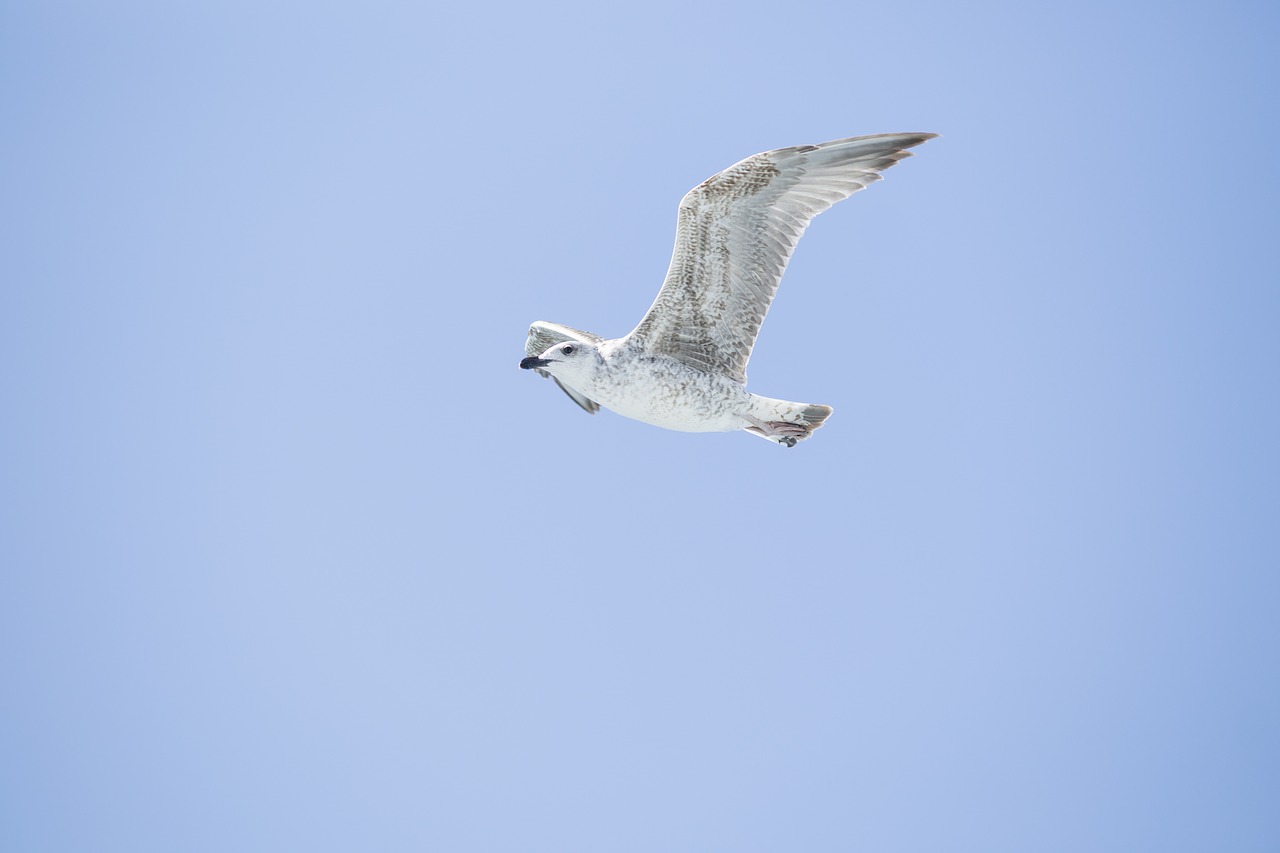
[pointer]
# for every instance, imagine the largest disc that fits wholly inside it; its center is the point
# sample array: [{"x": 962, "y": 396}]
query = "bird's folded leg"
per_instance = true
[{"x": 782, "y": 432}]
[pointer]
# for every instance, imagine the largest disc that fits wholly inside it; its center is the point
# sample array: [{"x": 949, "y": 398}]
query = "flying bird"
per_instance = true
[{"x": 684, "y": 367}]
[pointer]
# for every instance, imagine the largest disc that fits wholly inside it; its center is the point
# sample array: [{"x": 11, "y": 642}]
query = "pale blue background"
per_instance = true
[{"x": 294, "y": 557}]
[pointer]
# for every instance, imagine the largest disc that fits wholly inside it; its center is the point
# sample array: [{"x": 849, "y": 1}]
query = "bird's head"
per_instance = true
[{"x": 566, "y": 360}]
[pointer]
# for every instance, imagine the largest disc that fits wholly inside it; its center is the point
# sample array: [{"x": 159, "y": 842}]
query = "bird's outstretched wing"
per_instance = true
[
  {"x": 734, "y": 235},
  {"x": 544, "y": 335}
]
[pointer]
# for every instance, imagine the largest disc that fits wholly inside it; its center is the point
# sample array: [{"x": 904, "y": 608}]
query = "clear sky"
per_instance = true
[{"x": 295, "y": 558}]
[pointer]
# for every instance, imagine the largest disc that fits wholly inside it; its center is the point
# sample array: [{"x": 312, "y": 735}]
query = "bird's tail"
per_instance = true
[{"x": 784, "y": 422}]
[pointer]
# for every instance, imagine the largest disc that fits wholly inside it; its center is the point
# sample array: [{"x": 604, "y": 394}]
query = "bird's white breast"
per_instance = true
[{"x": 664, "y": 392}]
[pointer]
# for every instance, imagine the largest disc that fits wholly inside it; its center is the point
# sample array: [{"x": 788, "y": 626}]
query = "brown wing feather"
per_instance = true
[{"x": 735, "y": 233}]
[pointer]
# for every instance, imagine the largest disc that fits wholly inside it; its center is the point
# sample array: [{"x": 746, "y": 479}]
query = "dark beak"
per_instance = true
[{"x": 533, "y": 361}]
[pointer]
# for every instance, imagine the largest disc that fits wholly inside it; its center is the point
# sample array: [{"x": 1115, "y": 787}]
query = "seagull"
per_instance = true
[{"x": 684, "y": 367}]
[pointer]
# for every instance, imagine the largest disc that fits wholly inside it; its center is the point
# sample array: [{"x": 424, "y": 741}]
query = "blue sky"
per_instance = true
[{"x": 295, "y": 558}]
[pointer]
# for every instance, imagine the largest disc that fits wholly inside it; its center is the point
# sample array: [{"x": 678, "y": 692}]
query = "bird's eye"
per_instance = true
[{"x": 567, "y": 349}]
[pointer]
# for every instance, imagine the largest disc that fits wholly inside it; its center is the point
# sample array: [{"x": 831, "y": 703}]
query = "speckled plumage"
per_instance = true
[{"x": 684, "y": 367}]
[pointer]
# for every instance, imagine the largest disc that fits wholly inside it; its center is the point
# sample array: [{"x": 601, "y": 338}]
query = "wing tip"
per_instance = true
[{"x": 905, "y": 139}]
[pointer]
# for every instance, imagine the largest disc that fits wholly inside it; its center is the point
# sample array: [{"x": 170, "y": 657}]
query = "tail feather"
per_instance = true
[
  {"x": 783, "y": 422},
  {"x": 815, "y": 415}
]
